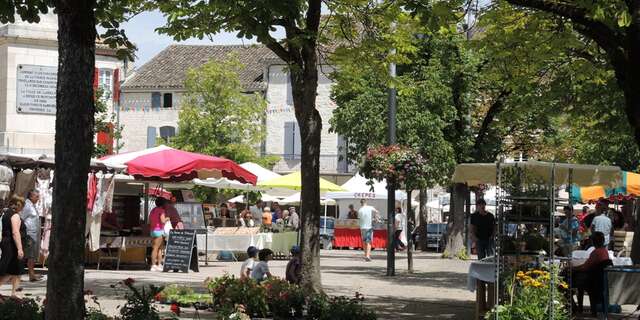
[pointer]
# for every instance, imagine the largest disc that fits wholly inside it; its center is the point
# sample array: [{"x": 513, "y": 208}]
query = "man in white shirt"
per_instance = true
[
  {"x": 366, "y": 215},
  {"x": 247, "y": 265},
  {"x": 602, "y": 223},
  {"x": 31, "y": 220}
]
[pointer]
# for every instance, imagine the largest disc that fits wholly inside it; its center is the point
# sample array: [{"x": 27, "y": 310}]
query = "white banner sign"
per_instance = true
[{"x": 36, "y": 89}]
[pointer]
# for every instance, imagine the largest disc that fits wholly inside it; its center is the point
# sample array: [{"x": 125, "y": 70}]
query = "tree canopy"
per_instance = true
[{"x": 217, "y": 117}]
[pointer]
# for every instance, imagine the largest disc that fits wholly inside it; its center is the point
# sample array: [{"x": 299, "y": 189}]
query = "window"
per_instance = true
[
  {"x": 289, "y": 91},
  {"x": 105, "y": 82},
  {"x": 151, "y": 137},
  {"x": 155, "y": 99},
  {"x": 291, "y": 140},
  {"x": 167, "y": 132},
  {"x": 167, "y": 100}
]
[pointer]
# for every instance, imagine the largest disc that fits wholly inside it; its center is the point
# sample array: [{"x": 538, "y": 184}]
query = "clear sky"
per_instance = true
[{"x": 141, "y": 31}]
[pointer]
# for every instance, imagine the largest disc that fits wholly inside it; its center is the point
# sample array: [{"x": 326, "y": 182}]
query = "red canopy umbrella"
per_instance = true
[{"x": 177, "y": 165}]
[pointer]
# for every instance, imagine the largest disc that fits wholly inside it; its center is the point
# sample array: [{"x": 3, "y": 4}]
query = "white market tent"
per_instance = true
[
  {"x": 295, "y": 199},
  {"x": 475, "y": 174},
  {"x": 357, "y": 188},
  {"x": 262, "y": 173}
]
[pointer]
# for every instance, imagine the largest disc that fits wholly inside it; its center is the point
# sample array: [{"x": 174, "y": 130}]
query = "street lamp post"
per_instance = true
[{"x": 391, "y": 188}]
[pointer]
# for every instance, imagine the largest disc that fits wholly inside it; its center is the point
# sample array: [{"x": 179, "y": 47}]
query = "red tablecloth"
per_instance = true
[{"x": 351, "y": 238}]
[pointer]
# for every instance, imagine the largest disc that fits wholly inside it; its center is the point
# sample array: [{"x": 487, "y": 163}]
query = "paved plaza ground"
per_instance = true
[{"x": 437, "y": 289}]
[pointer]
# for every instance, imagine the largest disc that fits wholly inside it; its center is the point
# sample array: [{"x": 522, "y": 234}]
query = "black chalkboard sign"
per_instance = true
[{"x": 179, "y": 250}]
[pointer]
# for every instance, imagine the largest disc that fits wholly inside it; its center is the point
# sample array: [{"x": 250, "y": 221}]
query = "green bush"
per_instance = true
[
  {"x": 323, "y": 307},
  {"x": 284, "y": 300},
  {"x": 227, "y": 292},
  {"x": 139, "y": 305},
  {"x": 19, "y": 309}
]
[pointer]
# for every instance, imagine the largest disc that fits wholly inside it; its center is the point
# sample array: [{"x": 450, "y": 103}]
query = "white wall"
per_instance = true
[
  {"x": 278, "y": 112},
  {"x": 23, "y": 132},
  {"x": 136, "y": 115}
]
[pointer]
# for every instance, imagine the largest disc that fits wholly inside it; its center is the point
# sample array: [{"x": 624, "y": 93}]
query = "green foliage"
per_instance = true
[
  {"x": 109, "y": 15},
  {"x": 19, "y": 309},
  {"x": 529, "y": 297},
  {"x": 139, "y": 305},
  {"x": 323, "y": 307},
  {"x": 183, "y": 296},
  {"x": 217, "y": 117},
  {"x": 227, "y": 292},
  {"x": 105, "y": 121},
  {"x": 402, "y": 165},
  {"x": 285, "y": 300},
  {"x": 95, "y": 314}
]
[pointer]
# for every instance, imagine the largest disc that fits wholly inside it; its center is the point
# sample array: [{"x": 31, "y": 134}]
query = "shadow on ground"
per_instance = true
[
  {"x": 398, "y": 308},
  {"x": 438, "y": 279}
]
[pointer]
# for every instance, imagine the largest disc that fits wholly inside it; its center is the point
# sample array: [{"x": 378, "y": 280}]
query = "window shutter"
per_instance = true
[
  {"x": 297, "y": 142},
  {"x": 342, "y": 155},
  {"x": 151, "y": 137},
  {"x": 155, "y": 99},
  {"x": 289, "y": 134},
  {"x": 289, "y": 91}
]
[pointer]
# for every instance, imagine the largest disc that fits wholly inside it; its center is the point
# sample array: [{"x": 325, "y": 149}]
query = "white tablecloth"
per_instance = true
[
  {"x": 486, "y": 271},
  {"x": 480, "y": 270},
  {"x": 242, "y": 242}
]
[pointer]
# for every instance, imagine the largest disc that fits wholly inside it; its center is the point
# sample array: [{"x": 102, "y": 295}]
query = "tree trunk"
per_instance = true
[
  {"x": 455, "y": 241},
  {"x": 424, "y": 198},
  {"x": 635, "y": 245},
  {"x": 411, "y": 222},
  {"x": 73, "y": 147},
  {"x": 304, "y": 83}
]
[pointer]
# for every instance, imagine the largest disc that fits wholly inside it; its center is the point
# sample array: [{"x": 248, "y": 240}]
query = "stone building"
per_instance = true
[
  {"x": 150, "y": 103},
  {"x": 28, "y": 73}
]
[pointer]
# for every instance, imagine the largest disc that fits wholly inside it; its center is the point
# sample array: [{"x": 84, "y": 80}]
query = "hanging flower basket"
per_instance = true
[{"x": 398, "y": 164}]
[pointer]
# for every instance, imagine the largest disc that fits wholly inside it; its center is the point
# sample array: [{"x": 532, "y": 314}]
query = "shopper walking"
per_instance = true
[
  {"x": 31, "y": 220},
  {"x": 13, "y": 233},
  {"x": 366, "y": 215}
]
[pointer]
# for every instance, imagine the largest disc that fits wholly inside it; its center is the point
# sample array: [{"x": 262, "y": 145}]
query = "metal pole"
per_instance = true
[{"x": 391, "y": 192}]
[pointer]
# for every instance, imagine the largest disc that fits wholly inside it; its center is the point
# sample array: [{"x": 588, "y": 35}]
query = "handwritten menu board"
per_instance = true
[{"x": 179, "y": 250}]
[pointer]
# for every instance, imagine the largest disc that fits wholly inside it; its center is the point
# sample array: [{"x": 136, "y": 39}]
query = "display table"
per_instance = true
[
  {"x": 481, "y": 279},
  {"x": 120, "y": 249},
  {"x": 350, "y": 238},
  {"x": 278, "y": 242}
]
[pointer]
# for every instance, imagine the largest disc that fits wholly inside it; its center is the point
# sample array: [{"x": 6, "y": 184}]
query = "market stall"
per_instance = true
[
  {"x": 165, "y": 167},
  {"x": 347, "y": 232},
  {"x": 527, "y": 198}
]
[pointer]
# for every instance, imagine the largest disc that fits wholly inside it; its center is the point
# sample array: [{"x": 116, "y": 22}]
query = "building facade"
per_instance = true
[
  {"x": 28, "y": 73},
  {"x": 151, "y": 103}
]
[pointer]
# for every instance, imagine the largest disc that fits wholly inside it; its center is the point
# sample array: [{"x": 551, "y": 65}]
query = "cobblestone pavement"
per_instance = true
[{"x": 436, "y": 290}]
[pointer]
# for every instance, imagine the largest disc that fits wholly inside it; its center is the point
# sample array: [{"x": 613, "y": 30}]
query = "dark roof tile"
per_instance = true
[{"x": 169, "y": 67}]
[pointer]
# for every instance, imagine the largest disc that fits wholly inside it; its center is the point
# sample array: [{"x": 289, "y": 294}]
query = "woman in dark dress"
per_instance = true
[{"x": 11, "y": 265}]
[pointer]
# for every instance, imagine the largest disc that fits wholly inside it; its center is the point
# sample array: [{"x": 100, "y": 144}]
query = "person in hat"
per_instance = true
[
  {"x": 247, "y": 265},
  {"x": 294, "y": 267}
]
